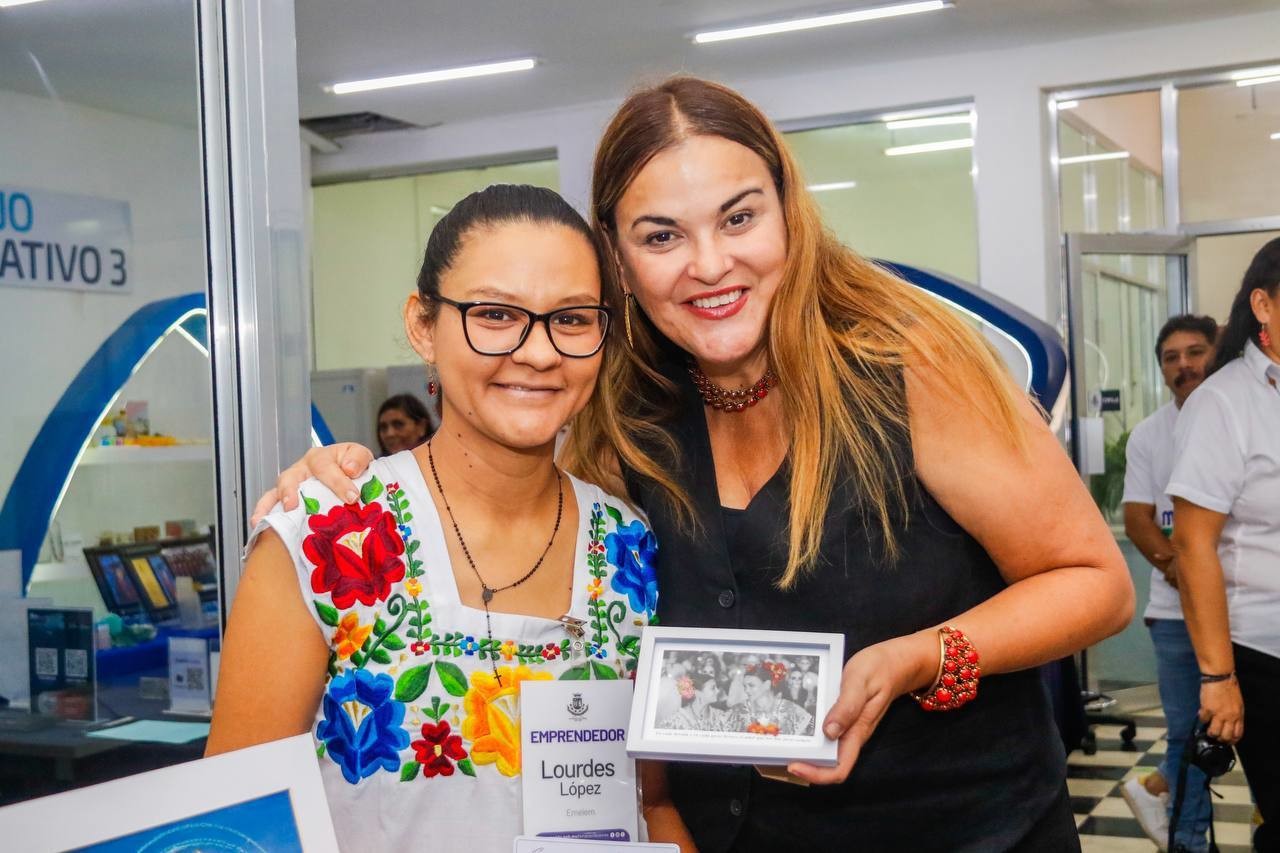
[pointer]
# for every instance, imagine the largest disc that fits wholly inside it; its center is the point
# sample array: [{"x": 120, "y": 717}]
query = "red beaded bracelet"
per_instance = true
[{"x": 957, "y": 681}]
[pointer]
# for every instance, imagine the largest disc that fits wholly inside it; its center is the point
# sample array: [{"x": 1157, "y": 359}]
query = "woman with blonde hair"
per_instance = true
[{"x": 822, "y": 447}]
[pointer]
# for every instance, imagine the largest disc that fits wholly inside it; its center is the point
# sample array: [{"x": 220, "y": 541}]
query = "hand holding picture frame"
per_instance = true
[{"x": 735, "y": 697}]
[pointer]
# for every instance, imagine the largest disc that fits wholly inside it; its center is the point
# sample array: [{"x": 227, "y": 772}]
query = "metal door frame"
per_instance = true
[{"x": 1180, "y": 252}]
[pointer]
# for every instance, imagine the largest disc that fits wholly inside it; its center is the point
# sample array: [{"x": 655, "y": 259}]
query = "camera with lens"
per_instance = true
[{"x": 1213, "y": 757}]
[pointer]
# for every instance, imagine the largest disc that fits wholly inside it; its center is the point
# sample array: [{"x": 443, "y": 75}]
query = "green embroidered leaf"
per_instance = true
[
  {"x": 379, "y": 627},
  {"x": 629, "y": 646},
  {"x": 412, "y": 547},
  {"x": 613, "y": 513},
  {"x": 407, "y": 517},
  {"x": 311, "y": 505},
  {"x": 328, "y": 615},
  {"x": 577, "y": 673},
  {"x": 409, "y": 772},
  {"x": 371, "y": 490},
  {"x": 465, "y": 766},
  {"x": 412, "y": 683},
  {"x": 380, "y": 655},
  {"x": 451, "y": 678},
  {"x": 320, "y": 751},
  {"x": 604, "y": 672},
  {"x": 392, "y": 643},
  {"x": 441, "y": 710}
]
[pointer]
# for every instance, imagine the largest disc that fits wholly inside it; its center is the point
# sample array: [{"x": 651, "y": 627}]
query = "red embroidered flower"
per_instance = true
[
  {"x": 419, "y": 647},
  {"x": 551, "y": 651},
  {"x": 595, "y": 548},
  {"x": 438, "y": 749},
  {"x": 356, "y": 551}
]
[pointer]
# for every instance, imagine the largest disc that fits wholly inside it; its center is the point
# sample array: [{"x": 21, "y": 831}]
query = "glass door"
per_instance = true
[{"x": 1121, "y": 290}]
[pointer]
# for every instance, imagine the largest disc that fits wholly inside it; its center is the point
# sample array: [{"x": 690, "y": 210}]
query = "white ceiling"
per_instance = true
[{"x": 137, "y": 56}]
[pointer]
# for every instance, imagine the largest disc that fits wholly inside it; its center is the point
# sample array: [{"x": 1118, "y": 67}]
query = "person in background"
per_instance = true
[
  {"x": 1184, "y": 349},
  {"x": 1225, "y": 487},
  {"x": 403, "y": 424}
]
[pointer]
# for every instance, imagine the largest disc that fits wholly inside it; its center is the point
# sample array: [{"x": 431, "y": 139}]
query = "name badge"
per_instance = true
[{"x": 578, "y": 781}]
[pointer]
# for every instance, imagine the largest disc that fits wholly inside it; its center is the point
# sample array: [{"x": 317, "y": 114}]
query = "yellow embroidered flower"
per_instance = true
[
  {"x": 493, "y": 716},
  {"x": 507, "y": 650},
  {"x": 413, "y": 586},
  {"x": 350, "y": 635},
  {"x": 595, "y": 589}
]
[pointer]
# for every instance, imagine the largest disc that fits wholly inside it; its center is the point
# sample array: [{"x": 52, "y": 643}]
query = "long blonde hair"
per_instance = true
[{"x": 840, "y": 329}]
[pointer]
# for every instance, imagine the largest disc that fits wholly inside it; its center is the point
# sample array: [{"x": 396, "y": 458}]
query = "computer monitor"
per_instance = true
[
  {"x": 116, "y": 583},
  {"x": 154, "y": 580}
]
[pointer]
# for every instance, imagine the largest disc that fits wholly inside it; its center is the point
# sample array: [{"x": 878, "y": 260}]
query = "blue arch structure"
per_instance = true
[
  {"x": 1046, "y": 355},
  {"x": 50, "y": 461}
]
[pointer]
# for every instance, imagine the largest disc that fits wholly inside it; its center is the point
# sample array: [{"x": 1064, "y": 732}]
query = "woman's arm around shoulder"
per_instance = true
[{"x": 273, "y": 656}]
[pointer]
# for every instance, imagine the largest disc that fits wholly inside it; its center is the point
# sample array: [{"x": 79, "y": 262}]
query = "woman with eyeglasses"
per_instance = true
[
  {"x": 398, "y": 618},
  {"x": 822, "y": 447}
]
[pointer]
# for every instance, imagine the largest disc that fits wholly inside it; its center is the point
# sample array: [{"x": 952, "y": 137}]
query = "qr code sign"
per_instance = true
[
  {"x": 46, "y": 663},
  {"x": 77, "y": 663},
  {"x": 195, "y": 678}
]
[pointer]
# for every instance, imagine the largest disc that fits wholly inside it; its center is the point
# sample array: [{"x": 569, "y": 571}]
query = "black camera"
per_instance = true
[{"x": 1213, "y": 757}]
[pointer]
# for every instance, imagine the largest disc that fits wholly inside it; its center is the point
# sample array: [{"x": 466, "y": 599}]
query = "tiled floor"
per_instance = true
[{"x": 1105, "y": 822}]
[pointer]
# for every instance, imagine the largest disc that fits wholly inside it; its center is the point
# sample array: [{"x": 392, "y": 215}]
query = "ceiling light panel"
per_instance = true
[
  {"x": 1093, "y": 158},
  {"x": 836, "y": 185},
  {"x": 929, "y": 121},
  {"x": 927, "y": 147},
  {"x": 1256, "y": 81},
  {"x": 874, "y": 13},
  {"x": 432, "y": 76}
]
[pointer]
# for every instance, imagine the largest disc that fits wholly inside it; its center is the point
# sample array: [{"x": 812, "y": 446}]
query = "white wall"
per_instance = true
[
  {"x": 1017, "y": 240},
  {"x": 46, "y": 336}
]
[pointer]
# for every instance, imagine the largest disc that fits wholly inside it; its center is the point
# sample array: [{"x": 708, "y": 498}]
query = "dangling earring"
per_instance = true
[
  {"x": 432, "y": 387},
  {"x": 1264, "y": 336},
  {"x": 626, "y": 319}
]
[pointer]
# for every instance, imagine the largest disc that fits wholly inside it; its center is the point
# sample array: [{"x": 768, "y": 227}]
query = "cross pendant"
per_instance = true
[{"x": 487, "y": 595}]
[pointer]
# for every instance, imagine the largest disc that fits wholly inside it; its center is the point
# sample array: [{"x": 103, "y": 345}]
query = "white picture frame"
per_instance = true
[
  {"x": 270, "y": 796},
  {"x": 747, "y": 723}
]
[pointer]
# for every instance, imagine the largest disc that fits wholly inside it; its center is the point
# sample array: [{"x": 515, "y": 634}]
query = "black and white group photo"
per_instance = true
[{"x": 745, "y": 693}]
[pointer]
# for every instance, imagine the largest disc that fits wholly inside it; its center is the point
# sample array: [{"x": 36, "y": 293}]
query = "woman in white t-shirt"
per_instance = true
[
  {"x": 1226, "y": 491},
  {"x": 399, "y": 621}
]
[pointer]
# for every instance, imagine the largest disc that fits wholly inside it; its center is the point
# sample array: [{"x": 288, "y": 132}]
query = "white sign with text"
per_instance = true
[
  {"x": 578, "y": 780},
  {"x": 64, "y": 241}
]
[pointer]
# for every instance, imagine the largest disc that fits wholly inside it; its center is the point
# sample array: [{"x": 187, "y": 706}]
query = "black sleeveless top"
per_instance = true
[{"x": 988, "y": 777}]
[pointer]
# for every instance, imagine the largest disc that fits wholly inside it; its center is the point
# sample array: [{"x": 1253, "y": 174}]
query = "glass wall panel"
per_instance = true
[
  {"x": 1109, "y": 164},
  {"x": 1229, "y": 151},
  {"x": 106, "y": 552},
  {"x": 891, "y": 200}
]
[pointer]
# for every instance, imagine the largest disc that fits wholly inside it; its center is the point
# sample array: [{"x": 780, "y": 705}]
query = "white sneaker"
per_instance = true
[{"x": 1150, "y": 810}]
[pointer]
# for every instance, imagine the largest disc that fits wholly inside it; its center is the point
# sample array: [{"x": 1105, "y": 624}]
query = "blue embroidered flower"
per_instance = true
[
  {"x": 469, "y": 645},
  {"x": 362, "y": 727},
  {"x": 598, "y": 651},
  {"x": 405, "y": 532},
  {"x": 632, "y": 550}
]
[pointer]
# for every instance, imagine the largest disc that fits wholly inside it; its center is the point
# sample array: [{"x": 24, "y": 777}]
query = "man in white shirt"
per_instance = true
[{"x": 1184, "y": 349}]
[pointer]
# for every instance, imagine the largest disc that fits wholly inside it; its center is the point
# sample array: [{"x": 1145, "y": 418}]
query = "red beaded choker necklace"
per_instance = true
[{"x": 732, "y": 399}]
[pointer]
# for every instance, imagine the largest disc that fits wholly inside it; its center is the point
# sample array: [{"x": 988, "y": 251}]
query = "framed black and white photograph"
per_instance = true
[{"x": 730, "y": 696}]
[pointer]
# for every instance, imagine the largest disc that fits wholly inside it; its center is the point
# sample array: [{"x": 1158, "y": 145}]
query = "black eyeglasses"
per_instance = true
[{"x": 493, "y": 328}]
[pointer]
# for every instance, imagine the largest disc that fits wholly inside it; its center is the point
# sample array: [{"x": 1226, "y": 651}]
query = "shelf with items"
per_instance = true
[{"x": 128, "y": 454}]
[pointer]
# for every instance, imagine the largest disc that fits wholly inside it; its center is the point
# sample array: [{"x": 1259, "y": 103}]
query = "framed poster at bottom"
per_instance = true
[{"x": 268, "y": 797}]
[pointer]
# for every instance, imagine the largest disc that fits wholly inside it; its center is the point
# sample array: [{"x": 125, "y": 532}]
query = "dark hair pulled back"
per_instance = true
[
  {"x": 497, "y": 204},
  {"x": 1196, "y": 324},
  {"x": 1263, "y": 274}
]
